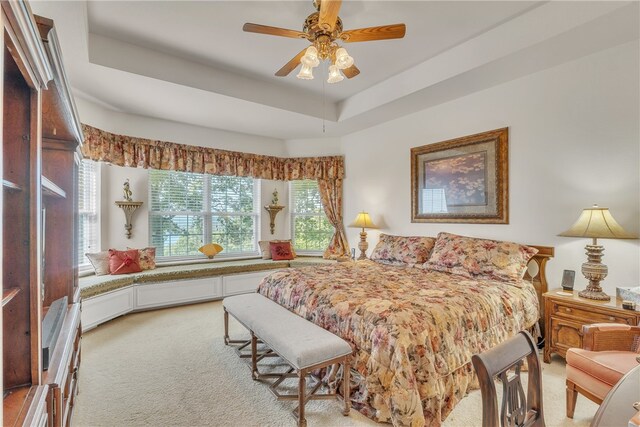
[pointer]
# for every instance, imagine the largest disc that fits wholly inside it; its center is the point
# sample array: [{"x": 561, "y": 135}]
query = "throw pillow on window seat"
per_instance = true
[
  {"x": 265, "y": 248},
  {"x": 281, "y": 251},
  {"x": 123, "y": 262},
  {"x": 99, "y": 261},
  {"x": 147, "y": 257}
]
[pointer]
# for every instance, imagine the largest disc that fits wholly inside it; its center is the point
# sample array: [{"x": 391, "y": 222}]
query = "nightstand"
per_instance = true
[{"x": 565, "y": 316}]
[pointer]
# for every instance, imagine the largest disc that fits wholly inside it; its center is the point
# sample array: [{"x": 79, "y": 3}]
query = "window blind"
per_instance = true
[
  {"x": 311, "y": 231},
  {"x": 188, "y": 210},
  {"x": 88, "y": 206}
]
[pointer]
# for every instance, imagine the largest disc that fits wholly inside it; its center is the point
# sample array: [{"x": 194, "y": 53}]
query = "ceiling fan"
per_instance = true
[{"x": 324, "y": 29}]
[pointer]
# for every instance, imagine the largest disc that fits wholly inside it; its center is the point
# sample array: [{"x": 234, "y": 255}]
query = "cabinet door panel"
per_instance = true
[{"x": 565, "y": 335}]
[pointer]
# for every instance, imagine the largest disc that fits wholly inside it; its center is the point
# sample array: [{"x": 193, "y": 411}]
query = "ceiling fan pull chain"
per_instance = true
[{"x": 324, "y": 97}]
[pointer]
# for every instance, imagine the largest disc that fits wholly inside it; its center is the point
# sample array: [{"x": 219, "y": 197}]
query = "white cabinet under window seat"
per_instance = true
[{"x": 146, "y": 296}]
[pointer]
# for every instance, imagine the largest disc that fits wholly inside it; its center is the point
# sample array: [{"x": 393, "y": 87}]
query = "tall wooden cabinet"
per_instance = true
[{"x": 41, "y": 135}]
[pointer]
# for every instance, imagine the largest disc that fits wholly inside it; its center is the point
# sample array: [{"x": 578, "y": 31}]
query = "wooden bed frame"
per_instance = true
[{"x": 539, "y": 277}]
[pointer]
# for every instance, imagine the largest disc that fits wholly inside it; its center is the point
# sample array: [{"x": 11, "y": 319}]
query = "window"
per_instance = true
[
  {"x": 311, "y": 231},
  {"x": 88, "y": 207},
  {"x": 188, "y": 210}
]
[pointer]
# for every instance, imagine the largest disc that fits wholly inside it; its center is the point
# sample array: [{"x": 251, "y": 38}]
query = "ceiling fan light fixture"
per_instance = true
[
  {"x": 335, "y": 75},
  {"x": 310, "y": 57},
  {"x": 343, "y": 60},
  {"x": 306, "y": 72}
]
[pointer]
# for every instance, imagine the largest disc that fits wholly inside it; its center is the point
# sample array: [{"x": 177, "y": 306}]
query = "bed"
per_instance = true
[{"x": 413, "y": 330}]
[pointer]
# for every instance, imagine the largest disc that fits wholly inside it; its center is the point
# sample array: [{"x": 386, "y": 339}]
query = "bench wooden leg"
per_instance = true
[
  {"x": 302, "y": 392},
  {"x": 346, "y": 386},
  {"x": 254, "y": 357},
  {"x": 226, "y": 327}
]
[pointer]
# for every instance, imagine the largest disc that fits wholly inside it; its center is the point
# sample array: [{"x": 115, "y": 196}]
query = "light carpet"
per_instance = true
[{"x": 170, "y": 367}]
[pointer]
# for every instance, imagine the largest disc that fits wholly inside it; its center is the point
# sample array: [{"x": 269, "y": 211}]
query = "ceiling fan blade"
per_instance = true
[
  {"x": 291, "y": 65},
  {"x": 384, "y": 32},
  {"x": 351, "y": 72},
  {"x": 273, "y": 31},
  {"x": 329, "y": 14}
]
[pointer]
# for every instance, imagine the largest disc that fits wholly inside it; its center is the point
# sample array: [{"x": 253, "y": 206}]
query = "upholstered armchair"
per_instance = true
[{"x": 609, "y": 351}]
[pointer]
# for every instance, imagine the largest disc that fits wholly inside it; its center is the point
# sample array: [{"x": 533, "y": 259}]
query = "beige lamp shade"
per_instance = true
[
  {"x": 597, "y": 223},
  {"x": 363, "y": 220}
]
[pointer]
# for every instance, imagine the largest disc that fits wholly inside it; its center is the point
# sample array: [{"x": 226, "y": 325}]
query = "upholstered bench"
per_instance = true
[{"x": 302, "y": 344}]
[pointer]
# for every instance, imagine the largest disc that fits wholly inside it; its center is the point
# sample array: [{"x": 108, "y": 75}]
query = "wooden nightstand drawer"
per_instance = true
[{"x": 590, "y": 314}]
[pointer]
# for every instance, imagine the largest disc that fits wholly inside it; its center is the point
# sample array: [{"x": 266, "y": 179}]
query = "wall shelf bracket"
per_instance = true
[
  {"x": 273, "y": 211},
  {"x": 129, "y": 208}
]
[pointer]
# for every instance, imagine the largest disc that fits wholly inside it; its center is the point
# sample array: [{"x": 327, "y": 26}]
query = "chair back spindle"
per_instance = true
[{"x": 505, "y": 362}]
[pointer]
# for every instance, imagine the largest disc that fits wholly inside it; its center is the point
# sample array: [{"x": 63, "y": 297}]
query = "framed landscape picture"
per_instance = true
[{"x": 462, "y": 180}]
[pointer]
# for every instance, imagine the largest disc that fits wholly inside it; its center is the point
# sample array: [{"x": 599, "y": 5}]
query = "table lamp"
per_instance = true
[
  {"x": 596, "y": 223},
  {"x": 363, "y": 221}
]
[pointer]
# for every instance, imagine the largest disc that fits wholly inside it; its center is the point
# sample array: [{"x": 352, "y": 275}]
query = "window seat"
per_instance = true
[{"x": 106, "y": 297}]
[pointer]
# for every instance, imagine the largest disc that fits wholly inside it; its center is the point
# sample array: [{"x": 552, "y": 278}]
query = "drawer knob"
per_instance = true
[
  {"x": 611, "y": 318},
  {"x": 568, "y": 310}
]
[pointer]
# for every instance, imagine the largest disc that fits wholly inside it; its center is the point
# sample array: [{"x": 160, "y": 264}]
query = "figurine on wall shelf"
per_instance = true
[
  {"x": 127, "y": 191},
  {"x": 274, "y": 199}
]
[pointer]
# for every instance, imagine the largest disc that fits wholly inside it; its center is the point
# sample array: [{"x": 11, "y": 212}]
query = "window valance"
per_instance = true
[{"x": 130, "y": 151}]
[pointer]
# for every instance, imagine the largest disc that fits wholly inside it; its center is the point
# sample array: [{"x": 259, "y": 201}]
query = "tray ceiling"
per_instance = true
[{"x": 191, "y": 62}]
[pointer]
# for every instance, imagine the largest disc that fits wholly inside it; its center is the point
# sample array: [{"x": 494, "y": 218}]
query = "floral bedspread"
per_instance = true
[{"x": 413, "y": 331}]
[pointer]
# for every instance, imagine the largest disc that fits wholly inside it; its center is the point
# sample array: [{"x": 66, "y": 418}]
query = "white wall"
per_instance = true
[
  {"x": 313, "y": 147},
  {"x": 113, "y": 177},
  {"x": 574, "y": 141}
]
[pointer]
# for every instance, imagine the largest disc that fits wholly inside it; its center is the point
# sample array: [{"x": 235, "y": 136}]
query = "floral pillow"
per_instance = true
[
  {"x": 400, "y": 250},
  {"x": 147, "y": 257},
  {"x": 479, "y": 258},
  {"x": 123, "y": 262}
]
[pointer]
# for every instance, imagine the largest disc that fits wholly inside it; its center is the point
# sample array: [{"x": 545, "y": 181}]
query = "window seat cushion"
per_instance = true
[{"x": 91, "y": 286}]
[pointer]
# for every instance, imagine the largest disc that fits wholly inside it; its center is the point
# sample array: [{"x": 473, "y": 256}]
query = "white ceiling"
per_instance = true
[
  {"x": 191, "y": 62},
  {"x": 211, "y": 33}
]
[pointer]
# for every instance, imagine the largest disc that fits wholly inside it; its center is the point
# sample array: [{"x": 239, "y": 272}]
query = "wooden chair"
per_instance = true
[
  {"x": 516, "y": 410},
  {"x": 607, "y": 354}
]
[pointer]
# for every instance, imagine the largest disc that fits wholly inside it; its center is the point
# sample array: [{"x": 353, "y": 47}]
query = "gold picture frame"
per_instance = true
[{"x": 462, "y": 180}]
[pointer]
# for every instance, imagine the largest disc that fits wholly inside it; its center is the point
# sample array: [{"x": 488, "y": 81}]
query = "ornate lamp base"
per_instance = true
[
  {"x": 363, "y": 245},
  {"x": 594, "y": 294},
  {"x": 595, "y": 271}
]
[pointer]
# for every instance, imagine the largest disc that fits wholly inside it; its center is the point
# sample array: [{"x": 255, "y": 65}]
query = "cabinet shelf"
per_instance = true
[
  {"x": 52, "y": 190},
  {"x": 14, "y": 404},
  {"x": 8, "y": 294},
  {"x": 10, "y": 186}
]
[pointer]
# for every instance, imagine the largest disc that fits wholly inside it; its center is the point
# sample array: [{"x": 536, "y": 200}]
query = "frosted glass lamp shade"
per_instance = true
[
  {"x": 343, "y": 60},
  {"x": 363, "y": 220},
  {"x": 211, "y": 250},
  {"x": 306, "y": 73},
  {"x": 334, "y": 75},
  {"x": 310, "y": 57}
]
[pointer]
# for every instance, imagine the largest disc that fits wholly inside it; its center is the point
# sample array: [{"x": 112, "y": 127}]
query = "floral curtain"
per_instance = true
[
  {"x": 129, "y": 151},
  {"x": 331, "y": 196}
]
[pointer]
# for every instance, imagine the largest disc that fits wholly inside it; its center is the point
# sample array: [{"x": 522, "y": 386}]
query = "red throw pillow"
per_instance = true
[
  {"x": 280, "y": 250},
  {"x": 123, "y": 262}
]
